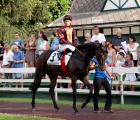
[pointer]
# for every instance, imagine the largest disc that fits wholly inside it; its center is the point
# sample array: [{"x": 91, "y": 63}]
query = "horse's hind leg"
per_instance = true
[
  {"x": 86, "y": 82},
  {"x": 53, "y": 78}
]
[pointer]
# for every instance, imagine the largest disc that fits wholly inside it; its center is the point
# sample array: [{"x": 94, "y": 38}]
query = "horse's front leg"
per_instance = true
[
  {"x": 86, "y": 82},
  {"x": 74, "y": 79},
  {"x": 53, "y": 78}
]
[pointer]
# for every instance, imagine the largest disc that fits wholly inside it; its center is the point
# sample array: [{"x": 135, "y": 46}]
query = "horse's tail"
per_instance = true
[{"x": 41, "y": 63}]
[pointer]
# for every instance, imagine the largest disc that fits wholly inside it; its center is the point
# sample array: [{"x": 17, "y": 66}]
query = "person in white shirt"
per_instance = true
[
  {"x": 44, "y": 45},
  {"x": 88, "y": 38},
  {"x": 7, "y": 62},
  {"x": 7, "y": 57},
  {"x": 98, "y": 36},
  {"x": 119, "y": 63},
  {"x": 120, "y": 60},
  {"x": 132, "y": 47}
]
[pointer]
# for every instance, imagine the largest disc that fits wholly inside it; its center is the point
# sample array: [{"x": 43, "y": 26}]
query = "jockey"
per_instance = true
[{"x": 66, "y": 36}]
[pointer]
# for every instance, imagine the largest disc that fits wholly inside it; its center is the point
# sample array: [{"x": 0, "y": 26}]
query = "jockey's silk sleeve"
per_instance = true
[{"x": 74, "y": 38}]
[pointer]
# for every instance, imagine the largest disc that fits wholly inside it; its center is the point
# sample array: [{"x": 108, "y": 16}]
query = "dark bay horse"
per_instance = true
[{"x": 77, "y": 69}]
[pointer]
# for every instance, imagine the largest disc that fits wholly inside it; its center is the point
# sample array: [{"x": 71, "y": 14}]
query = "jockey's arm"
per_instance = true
[
  {"x": 74, "y": 39},
  {"x": 74, "y": 42}
]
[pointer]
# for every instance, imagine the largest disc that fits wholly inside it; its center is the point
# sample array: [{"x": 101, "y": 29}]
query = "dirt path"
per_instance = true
[{"x": 47, "y": 110}]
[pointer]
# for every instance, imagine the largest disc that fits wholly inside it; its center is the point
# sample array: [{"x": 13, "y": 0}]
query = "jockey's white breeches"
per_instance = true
[{"x": 64, "y": 46}]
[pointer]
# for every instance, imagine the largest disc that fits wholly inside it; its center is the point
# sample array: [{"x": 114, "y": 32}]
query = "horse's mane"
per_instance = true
[
  {"x": 87, "y": 46},
  {"x": 88, "y": 49}
]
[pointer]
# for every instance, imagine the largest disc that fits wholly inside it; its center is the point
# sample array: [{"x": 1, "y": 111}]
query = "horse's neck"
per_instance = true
[
  {"x": 88, "y": 54},
  {"x": 83, "y": 56}
]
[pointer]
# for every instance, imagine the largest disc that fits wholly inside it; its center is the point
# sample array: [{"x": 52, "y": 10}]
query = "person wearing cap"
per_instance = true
[
  {"x": 18, "y": 60},
  {"x": 66, "y": 36}
]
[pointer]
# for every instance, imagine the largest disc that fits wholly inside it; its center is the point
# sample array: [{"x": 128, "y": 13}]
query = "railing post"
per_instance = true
[
  {"x": 56, "y": 94},
  {"x": 122, "y": 96}
]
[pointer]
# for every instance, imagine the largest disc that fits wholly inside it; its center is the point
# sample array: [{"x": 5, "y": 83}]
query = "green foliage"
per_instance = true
[
  {"x": 26, "y": 16},
  {"x": 22, "y": 117}
]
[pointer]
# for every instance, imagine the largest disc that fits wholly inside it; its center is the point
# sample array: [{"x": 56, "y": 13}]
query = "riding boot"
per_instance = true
[{"x": 65, "y": 51}]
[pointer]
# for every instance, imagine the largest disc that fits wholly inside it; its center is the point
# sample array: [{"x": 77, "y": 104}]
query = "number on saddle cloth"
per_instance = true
[
  {"x": 54, "y": 59},
  {"x": 63, "y": 49}
]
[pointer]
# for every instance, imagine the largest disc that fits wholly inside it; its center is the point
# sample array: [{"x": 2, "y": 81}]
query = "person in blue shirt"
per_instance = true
[
  {"x": 55, "y": 44},
  {"x": 100, "y": 79},
  {"x": 18, "y": 60},
  {"x": 18, "y": 42}
]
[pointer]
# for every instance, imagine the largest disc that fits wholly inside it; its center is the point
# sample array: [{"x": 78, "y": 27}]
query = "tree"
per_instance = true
[{"x": 25, "y": 16}]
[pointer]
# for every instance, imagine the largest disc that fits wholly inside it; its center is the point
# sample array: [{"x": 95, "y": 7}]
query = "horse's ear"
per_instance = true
[{"x": 101, "y": 45}]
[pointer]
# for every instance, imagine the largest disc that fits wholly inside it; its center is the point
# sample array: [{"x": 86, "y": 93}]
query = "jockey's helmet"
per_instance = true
[{"x": 67, "y": 17}]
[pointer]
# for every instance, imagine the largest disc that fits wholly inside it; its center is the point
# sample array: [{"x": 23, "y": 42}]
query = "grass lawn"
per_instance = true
[
  {"x": 64, "y": 102},
  {"x": 17, "y": 117}
]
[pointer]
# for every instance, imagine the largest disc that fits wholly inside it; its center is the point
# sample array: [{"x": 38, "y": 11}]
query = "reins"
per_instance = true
[{"x": 83, "y": 53}]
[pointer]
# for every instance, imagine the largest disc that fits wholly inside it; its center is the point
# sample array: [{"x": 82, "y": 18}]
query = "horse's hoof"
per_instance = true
[
  {"x": 77, "y": 113},
  {"x": 59, "y": 110},
  {"x": 83, "y": 105},
  {"x": 33, "y": 110}
]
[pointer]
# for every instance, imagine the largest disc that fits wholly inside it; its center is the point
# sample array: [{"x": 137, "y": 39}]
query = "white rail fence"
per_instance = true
[{"x": 119, "y": 70}]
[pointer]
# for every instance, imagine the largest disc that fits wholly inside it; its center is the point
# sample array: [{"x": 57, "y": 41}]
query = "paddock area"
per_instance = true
[{"x": 67, "y": 113}]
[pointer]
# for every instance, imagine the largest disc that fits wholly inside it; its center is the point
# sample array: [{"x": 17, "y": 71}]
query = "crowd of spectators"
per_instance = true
[
  {"x": 12, "y": 55},
  {"x": 120, "y": 54}
]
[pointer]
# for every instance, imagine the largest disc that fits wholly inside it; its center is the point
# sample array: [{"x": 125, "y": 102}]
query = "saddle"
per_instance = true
[
  {"x": 55, "y": 60},
  {"x": 61, "y": 57}
]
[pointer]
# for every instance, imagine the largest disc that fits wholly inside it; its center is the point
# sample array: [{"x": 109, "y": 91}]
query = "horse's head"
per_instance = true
[{"x": 101, "y": 55}]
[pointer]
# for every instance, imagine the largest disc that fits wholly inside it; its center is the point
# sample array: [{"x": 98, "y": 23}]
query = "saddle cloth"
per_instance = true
[{"x": 54, "y": 60}]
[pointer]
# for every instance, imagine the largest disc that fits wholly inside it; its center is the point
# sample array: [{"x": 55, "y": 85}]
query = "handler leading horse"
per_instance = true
[{"x": 77, "y": 68}]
